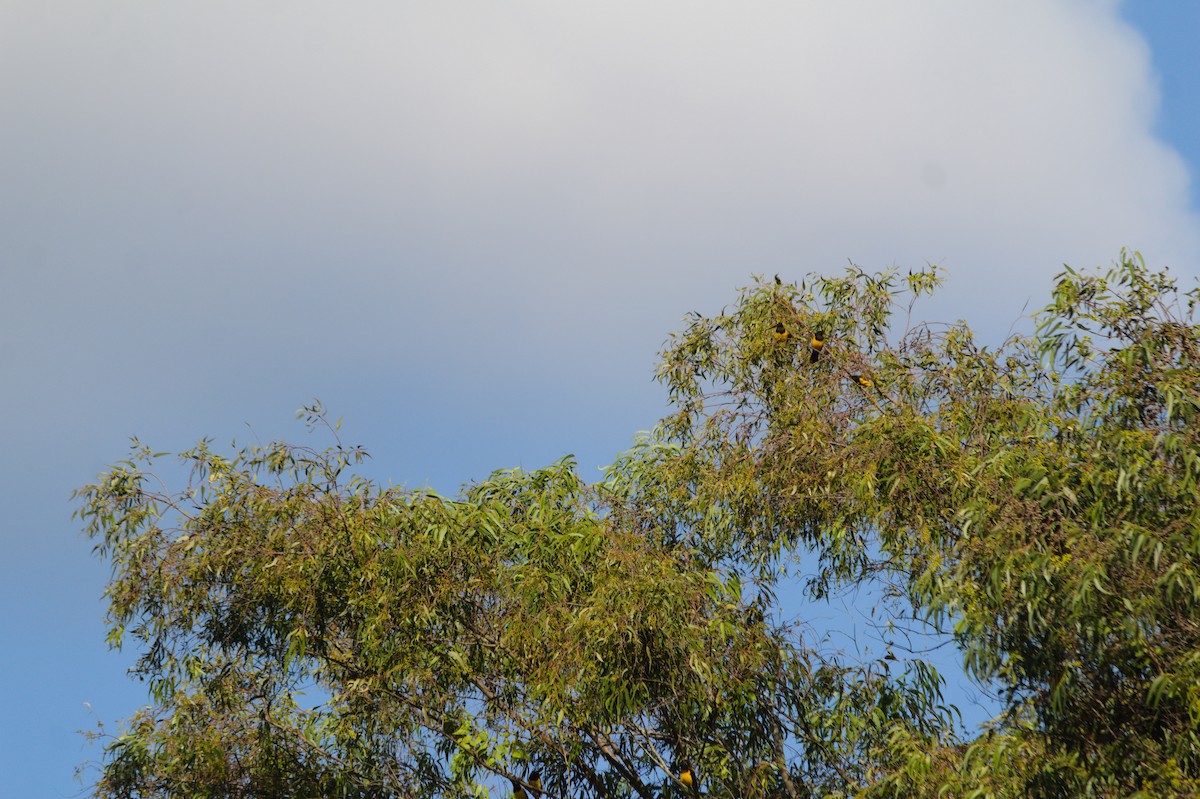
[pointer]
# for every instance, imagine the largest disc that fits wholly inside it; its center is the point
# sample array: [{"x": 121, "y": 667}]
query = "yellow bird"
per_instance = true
[
  {"x": 817, "y": 344},
  {"x": 534, "y": 781},
  {"x": 781, "y": 332},
  {"x": 862, "y": 380},
  {"x": 688, "y": 778}
]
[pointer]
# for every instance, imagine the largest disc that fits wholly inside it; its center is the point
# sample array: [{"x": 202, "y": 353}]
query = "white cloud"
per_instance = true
[{"x": 453, "y": 173}]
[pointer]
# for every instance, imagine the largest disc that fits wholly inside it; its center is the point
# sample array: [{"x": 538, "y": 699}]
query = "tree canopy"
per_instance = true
[{"x": 306, "y": 632}]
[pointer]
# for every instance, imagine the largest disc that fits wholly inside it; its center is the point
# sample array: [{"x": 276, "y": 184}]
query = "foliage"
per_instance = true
[{"x": 1035, "y": 503}]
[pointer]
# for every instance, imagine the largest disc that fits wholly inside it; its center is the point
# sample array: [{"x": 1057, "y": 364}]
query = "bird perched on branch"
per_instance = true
[
  {"x": 534, "y": 781},
  {"x": 687, "y": 778},
  {"x": 817, "y": 344}
]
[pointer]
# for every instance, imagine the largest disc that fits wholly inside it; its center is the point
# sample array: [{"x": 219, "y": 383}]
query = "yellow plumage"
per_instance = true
[{"x": 817, "y": 344}]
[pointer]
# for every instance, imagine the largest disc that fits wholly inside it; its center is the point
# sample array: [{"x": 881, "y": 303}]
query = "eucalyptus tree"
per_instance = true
[{"x": 306, "y": 632}]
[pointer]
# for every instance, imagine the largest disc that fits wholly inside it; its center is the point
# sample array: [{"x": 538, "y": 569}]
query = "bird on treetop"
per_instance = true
[
  {"x": 817, "y": 344},
  {"x": 781, "y": 332}
]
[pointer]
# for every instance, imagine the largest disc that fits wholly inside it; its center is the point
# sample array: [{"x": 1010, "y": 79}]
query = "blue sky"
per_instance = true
[{"x": 468, "y": 229}]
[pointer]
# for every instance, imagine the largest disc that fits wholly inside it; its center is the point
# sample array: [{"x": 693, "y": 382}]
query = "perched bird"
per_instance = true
[
  {"x": 688, "y": 778},
  {"x": 817, "y": 344},
  {"x": 781, "y": 332},
  {"x": 778, "y": 282},
  {"x": 862, "y": 380},
  {"x": 534, "y": 781}
]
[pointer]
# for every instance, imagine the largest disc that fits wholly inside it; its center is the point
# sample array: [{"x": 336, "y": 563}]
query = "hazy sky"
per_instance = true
[{"x": 469, "y": 226}]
